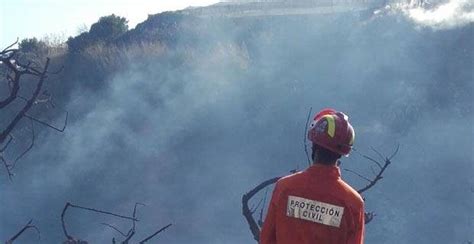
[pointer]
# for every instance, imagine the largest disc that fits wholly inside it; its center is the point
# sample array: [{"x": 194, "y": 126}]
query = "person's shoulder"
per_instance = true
[
  {"x": 351, "y": 194},
  {"x": 290, "y": 179}
]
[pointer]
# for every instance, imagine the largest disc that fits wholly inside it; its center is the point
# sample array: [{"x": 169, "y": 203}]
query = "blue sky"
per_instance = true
[{"x": 61, "y": 19}]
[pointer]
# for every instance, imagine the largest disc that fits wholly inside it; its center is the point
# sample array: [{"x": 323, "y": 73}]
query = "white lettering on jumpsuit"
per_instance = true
[{"x": 315, "y": 211}]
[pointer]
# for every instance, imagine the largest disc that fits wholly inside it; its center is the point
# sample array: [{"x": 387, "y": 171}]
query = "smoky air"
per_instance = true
[{"x": 192, "y": 112}]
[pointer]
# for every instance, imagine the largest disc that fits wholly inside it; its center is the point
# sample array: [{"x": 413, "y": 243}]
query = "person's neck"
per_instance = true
[{"x": 324, "y": 164}]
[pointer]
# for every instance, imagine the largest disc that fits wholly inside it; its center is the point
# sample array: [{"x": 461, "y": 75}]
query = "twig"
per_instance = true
[
  {"x": 369, "y": 216},
  {"x": 88, "y": 209},
  {"x": 33, "y": 137},
  {"x": 361, "y": 176},
  {"x": 260, "y": 219},
  {"x": 394, "y": 153},
  {"x": 367, "y": 157},
  {"x": 27, "y": 106},
  {"x": 26, "y": 227},
  {"x": 132, "y": 230},
  {"x": 256, "y": 206},
  {"x": 48, "y": 125},
  {"x": 114, "y": 228},
  {"x": 7, "y": 167},
  {"x": 378, "y": 153},
  {"x": 13, "y": 44},
  {"x": 254, "y": 227},
  {"x": 156, "y": 233},
  {"x": 305, "y": 136},
  {"x": 6, "y": 144},
  {"x": 382, "y": 170}
]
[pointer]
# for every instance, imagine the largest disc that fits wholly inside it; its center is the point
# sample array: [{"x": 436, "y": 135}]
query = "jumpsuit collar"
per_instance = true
[{"x": 320, "y": 170}]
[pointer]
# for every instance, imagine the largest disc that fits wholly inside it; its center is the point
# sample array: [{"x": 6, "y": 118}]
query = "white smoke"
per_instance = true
[{"x": 448, "y": 15}]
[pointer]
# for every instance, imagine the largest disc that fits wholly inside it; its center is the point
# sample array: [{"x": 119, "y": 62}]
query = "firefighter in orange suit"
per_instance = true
[{"x": 316, "y": 206}]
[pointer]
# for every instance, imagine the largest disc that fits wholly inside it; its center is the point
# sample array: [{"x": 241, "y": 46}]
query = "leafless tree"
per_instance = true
[
  {"x": 28, "y": 226},
  {"x": 15, "y": 71},
  {"x": 127, "y": 236}
]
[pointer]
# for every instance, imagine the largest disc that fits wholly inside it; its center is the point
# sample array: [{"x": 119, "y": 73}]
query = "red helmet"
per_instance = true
[{"x": 331, "y": 129}]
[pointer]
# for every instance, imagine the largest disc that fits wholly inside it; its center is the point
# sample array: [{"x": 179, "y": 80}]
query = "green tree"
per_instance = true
[
  {"x": 108, "y": 28},
  {"x": 32, "y": 45}
]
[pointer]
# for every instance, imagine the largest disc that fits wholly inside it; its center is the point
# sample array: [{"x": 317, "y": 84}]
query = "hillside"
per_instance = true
[{"x": 190, "y": 109}]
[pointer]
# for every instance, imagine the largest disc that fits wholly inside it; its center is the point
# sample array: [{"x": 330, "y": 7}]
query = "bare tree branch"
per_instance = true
[
  {"x": 369, "y": 216},
  {"x": 132, "y": 230},
  {"x": 369, "y": 158},
  {"x": 69, "y": 237},
  {"x": 13, "y": 44},
  {"x": 7, "y": 167},
  {"x": 380, "y": 173},
  {"x": 26, "y": 227},
  {"x": 114, "y": 228},
  {"x": 48, "y": 125},
  {"x": 13, "y": 70},
  {"x": 14, "y": 83},
  {"x": 361, "y": 176},
  {"x": 254, "y": 208},
  {"x": 254, "y": 227},
  {"x": 156, "y": 233},
  {"x": 260, "y": 218},
  {"x": 33, "y": 137},
  {"x": 305, "y": 136},
  {"x": 27, "y": 106},
  {"x": 6, "y": 144}
]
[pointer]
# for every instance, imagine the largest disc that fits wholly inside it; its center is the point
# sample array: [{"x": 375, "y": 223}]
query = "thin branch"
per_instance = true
[
  {"x": 26, "y": 227},
  {"x": 394, "y": 153},
  {"x": 260, "y": 219},
  {"x": 367, "y": 157},
  {"x": 63, "y": 223},
  {"x": 15, "y": 85},
  {"x": 135, "y": 213},
  {"x": 102, "y": 212},
  {"x": 51, "y": 126},
  {"x": 114, "y": 228},
  {"x": 254, "y": 227},
  {"x": 373, "y": 170},
  {"x": 130, "y": 235},
  {"x": 382, "y": 170},
  {"x": 13, "y": 44},
  {"x": 33, "y": 137},
  {"x": 88, "y": 209},
  {"x": 27, "y": 106},
  {"x": 6, "y": 144},
  {"x": 254, "y": 208},
  {"x": 7, "y": 167},
  {"x": 369, "y": 216},
  {"x": 361, "y": 176},
  {"x": 132, "y": 230},
  {"x": 156, "y": 233},
  {"x": 378, "y": 153},
  {"x": 305, "y": 136}
]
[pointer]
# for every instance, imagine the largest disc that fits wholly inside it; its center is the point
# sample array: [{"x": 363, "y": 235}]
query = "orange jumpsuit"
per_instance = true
[{"x": 314, "y": 207}]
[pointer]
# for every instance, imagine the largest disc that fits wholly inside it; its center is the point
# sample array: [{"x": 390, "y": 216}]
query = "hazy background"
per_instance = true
[{"x": 220, "y": 105}]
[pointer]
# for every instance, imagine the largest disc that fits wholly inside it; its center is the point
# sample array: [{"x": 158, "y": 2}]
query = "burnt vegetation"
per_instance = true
[
  {"x": 125, "y": 236},
  {"x": 34, "y": 87},
  {"x": 18, "y": 73}
]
